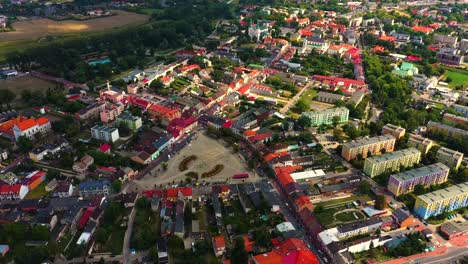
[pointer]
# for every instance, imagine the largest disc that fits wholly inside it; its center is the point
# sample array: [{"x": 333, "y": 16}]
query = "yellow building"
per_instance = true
[
  {"x": 373, "y": 145},
  {"x": 421, "y": 143},
  {"x": 391, "y": 162},
  {"x": 449, "y": 157},
  {"x": 396, "y": 131},
  {"x": 448, "y": 199}
]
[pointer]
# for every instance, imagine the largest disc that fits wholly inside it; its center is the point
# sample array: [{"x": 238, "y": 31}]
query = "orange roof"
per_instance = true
[
  {"x": 250, "y": 133},
  {"x": 387, "y": 38},
  {"x": 8, "y": 125},
  {"x": 28, "y": 123},
  {"x": 248, "y": 245},
  {"x": 269, "y": 258},
  {"x": 219, "y": 241},
  {"x": 425, "y": 30}
]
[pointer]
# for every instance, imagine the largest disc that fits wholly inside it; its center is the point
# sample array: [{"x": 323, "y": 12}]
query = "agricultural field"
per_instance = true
[
  {"x": 37, "y": 28},
  {"x": 17, "y": 85}
]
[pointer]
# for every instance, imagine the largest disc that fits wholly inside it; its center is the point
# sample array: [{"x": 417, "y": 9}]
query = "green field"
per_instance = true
[
  {"x": 343, "y": 201},
  {"x": 456, "y": 78},
  {"x": 309, "y": 96}
]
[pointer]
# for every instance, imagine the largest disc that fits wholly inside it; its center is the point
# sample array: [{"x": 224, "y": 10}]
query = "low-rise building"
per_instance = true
[
  {"x": 366, "y": 146},
  {"x": 402, "y": 218},
  {"x": 450, "y": 118},
  {"x": 219, "y": 245},
  {"x": 449, "y": 157},
  {"x": 327, "y": 116},
  {"x": 405, "y": 182},
  {"x": 390, "y": 162},
  {"x": 421, "y": 143},
  {"x": 91, "y": 111},
  {"x": 93, "y": 188},
  {"x": 105, "y": 133},
  {"x": 31, "y": 126},
  {"x": 453, "y": 229},
  {"x": 329, "y": 97},
  {"x": 405, "y": 69},
  {"x": 450, "y": 56},
  {"x": 82, "y": 165},
  {"x": 461, "y": 109},
  {"x": 444, "y": 200},
  {"x": 396, "y": 131}
]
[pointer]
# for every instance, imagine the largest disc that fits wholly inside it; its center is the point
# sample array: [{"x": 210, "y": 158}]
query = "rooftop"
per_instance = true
[
  {"x": 420, "y": 172},
  {"x": 394, "y": 155},
  {"x": 367, "y": 141},
  {"x": 445, "y": 193}
]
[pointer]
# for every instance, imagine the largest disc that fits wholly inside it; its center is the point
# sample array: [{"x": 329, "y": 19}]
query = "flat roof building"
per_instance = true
[
  {"x": 421, "y": 143},
  {"x": 449, "y": 157},
  {"x": 325, "y": 117},
  {"x": 329, "y": 97},
  {"x": 404, "y": 182},
  {"x": 396, "y": 131},
  {"x": 366, "y": 146},
  {"x": 104, "y": 133},
  {"x": 390, "y": 162},
  {"x": 437, "y": 202},
  {"x": 434, "y": 127}
]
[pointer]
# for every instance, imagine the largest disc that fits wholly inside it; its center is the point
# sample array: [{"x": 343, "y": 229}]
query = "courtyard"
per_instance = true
[{"x": 202, "y": 156}]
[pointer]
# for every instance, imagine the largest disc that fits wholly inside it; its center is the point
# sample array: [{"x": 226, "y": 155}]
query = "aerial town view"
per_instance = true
[{"x": 234, "y": 131}]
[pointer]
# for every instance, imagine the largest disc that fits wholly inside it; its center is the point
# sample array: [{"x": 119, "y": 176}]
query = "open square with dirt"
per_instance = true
[{"x": 202, "y": 155}]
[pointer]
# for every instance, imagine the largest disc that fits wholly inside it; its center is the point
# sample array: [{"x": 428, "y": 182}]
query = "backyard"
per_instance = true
[{"x": 334, "y": 212}]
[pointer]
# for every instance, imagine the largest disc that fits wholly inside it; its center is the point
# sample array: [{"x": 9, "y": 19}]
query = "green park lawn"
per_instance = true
[{"x": 456, "y": 78}]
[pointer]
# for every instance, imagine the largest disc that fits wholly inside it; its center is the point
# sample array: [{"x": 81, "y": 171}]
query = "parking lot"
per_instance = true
[{"x": 209, "y": 153}]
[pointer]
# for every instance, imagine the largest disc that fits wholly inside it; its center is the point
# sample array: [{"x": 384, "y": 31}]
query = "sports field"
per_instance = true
[
  {"x": 457, "y": 78},
  {"x": 17, "y": 85}
]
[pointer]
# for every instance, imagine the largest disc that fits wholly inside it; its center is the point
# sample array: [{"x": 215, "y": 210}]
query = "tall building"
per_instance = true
[
  {"x": 405, "y": 182},
  {"x": 104, "y": 133},
  {"x": 325, "y": 117},
  {"x": 390, "y": 162},
  {"x": 396, "y": 131},
  {"x": 421, "y": 143},
  {"x": 374, "y": 145},
  {"x": 434, "y": 127},
  {"x": 448, "y": 199},
  {"x": 449, "y": 157},
  {"x": 132, "y": 122}
]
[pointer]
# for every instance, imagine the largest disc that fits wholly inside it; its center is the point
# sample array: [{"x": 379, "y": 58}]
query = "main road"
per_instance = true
[{"x": 295, "y": 98}]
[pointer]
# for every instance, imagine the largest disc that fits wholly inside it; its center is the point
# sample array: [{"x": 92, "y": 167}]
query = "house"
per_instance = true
[
  {"x": 319, "y": 44},
  {"x": 165, "y": 114},
  {"x": 64, "y": 190},
  {"x": 292, "y": 250},
  {"x": 41, "y": 152},
  {"x": 13, "y": 192},
  {"x": 93, "y": 188},
  {"x": 446, "y": 41},
  {"x": 82, "y": 165},
  {"x": 219, "y": 245},
  {"x": 111, "y": 94},
  {"x": 29, "y": 127},
  {"x": 450, "y": 56},
  {"x": 91, "y": 112},
  {"x": 450, "y": 230},
  {"x": 406, "y": 69},
  {"x": 403, "y": 218}
]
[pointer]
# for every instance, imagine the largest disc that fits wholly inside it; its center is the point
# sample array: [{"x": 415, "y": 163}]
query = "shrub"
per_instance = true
[
  {"x": 183, "y": 166},
  {"x": 217, "y": 169}
]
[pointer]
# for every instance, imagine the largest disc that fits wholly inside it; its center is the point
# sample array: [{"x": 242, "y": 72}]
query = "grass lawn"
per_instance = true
[
  {"x": 456, "y": 79},
  {"x": 37, "y": 193},
  {"x": 343, "y": 201},
  {"x": 309, "y": 96},
  {"x": 30, "y": 83},
  {"x": 379, "y": 256},
  {"x": 349, "y": 216}
]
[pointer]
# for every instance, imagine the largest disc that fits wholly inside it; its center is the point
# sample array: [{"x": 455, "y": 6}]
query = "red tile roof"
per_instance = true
[
  {"x": 248, "y": 245},
  {"x": 269, "y": 258},
  {"x": 174, "y": 192},
  {"x": 219, "y": 242},
  {"x": 425, "y": 30},
  {"x": 25, "y": 124}
]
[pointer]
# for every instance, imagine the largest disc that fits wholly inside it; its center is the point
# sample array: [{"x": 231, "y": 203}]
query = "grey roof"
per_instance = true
[{"x": 358, "y": 224}]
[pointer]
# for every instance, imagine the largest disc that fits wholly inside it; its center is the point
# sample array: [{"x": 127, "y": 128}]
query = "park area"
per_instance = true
[
  {"x": 339, "y": 211},
  {"x": 216, "y": 163}
]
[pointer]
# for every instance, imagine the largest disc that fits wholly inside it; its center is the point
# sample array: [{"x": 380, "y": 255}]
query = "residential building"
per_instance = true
[
  {"x": 434, "y": 127},
  {"x": 105, "y": 133},
  {"x": 405, "y": 69},
  {"x": 39, "y": 153},
  {"x": 390, "y": 162},
  {"x": 31, "y": 126},
  {"x": 396, "y": 131},
  {"x": 291, "y": 251},
  {"x": 421, "y": 143},
  {"x": 404, "y": 182},
  {"x": 82, "y": 165},
  {"x": 450, "y": 118},
  {"x": 132, "y": 122},
  {"x": 444, "y": 200},
  {"x": 357, "y": 97},
  {"x": 319, "y": 44},
  {"x": 329, "y": 97},
  {"x": 461, "y": 109},
  {"x": 165, "y": 114},
  {"x": 93, "y": 188},
  {"x": 219, "y": 245},
  {"x": 257, "y": 31},
  {"x": 449, "y": 157},
  {"x": 453, "y": 229},
  {"x": 326, "y": 117},
  {"x": 348, "y": 86},
  {"x": 366, "y": 146},
  {"x": 402, "y": 218},
  {"x": 450, "y": 56},
  {"x": 447, "y": 41},
  {"x": 358, "y": 227},
  {"x": 91, "y": 111}
]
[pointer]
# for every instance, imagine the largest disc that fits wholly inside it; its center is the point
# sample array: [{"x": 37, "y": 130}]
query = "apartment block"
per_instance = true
[
  {"x": 449, "y": 157},
  {"x": 329, "y": 97},
  {"x": 421, "y": 143},
  {"x": 434, "y": 127},
  {"x": 325, "y": 117},
  {"x": 461, "y": 109},
  {"x": 455, "y": 119},
  {"x": 405, "y": 182},
  {"x": 391, "y": 162},
  {"x": 132, "y": 122},
  {"x": 373, "y": 145},
  {"x": 448, "y": 199},
  {"x": 396, "y": 131},
  {"x": 104, "y": 133}
]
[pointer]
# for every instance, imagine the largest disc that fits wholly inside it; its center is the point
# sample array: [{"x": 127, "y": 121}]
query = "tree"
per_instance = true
[
  {"x": 302, "y": 106},
  {"x": 419, "y": 189},
  {"x": 157, "y": 85},
  {"x": 262, "y": 238},
  {"x": 318, "y": 209},
  {"x": 6, "y": 96},
  {"x": 238, "y": 254},
  {"x": 24, "y": 144},
  {"x": 364, "y": 187},
  {"x": 336, "y": 120},
  {"x": 52, "y": 174},
  {"x": 380, "y": 202},
  {"x": 116, "y": 185},
  {"x": 304, "y": 121}
]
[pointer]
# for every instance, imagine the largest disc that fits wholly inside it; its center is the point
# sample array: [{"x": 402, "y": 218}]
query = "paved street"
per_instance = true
[
  {"x": 295, "y": 98},
  {"x": 128, "y": 235}
]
